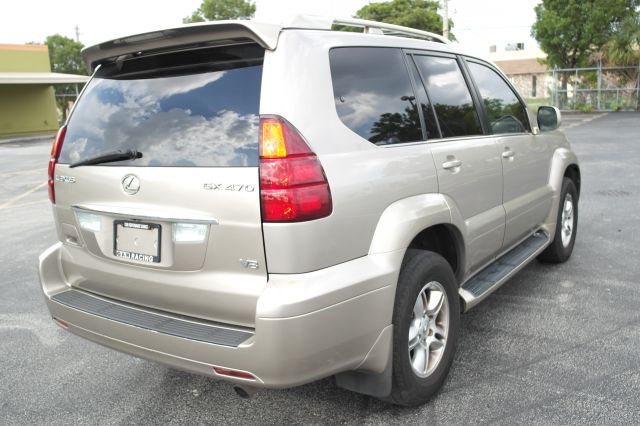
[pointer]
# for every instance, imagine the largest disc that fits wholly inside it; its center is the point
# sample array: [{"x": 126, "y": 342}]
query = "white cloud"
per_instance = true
[
  {"x": 156, "y": 89},
  {"x": 362, "y": 108}
]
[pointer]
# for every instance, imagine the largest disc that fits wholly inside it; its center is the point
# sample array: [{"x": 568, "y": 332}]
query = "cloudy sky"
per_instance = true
[{"x": 477, "y": 23}]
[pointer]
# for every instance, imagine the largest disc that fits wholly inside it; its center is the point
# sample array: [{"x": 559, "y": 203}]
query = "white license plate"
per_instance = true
[{"x": 137, "y": 241}]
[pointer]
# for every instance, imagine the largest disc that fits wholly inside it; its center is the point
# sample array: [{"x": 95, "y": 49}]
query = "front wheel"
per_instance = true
[
  {"x": 566, "y": 226},
  {"x": 426, "y": 323}
]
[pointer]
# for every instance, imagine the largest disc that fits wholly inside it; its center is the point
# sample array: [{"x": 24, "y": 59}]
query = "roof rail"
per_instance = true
[
  {"x": 373, "y": 27},
  {"x": 370, "y": 27}
]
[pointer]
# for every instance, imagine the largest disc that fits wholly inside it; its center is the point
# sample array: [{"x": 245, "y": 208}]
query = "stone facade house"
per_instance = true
[{"x": 531, "y": 78}]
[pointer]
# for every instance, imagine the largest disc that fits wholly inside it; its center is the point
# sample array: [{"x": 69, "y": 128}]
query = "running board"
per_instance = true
[{"x": 493, "y": 276}]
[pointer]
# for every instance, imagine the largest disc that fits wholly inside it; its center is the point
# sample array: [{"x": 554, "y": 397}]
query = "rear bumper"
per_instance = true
[{"x": 307, "y": 326}]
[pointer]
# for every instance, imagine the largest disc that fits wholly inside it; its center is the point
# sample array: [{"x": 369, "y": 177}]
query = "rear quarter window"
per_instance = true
[
  {"x": 184, "y": 109},
  {"x": 373, "y": 94}
]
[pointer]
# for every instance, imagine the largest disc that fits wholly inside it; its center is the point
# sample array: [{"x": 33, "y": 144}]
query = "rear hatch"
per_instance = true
[{"x": 178, "y": 229}]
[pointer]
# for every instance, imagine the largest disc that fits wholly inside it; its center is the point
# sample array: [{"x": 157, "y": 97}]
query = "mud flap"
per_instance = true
[{"x": 373, "y": 384}]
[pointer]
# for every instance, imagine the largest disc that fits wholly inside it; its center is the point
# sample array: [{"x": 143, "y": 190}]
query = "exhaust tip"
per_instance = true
[{"x": 244, "y": 392}]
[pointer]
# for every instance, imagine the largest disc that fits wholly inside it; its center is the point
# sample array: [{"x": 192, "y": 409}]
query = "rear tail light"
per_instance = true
[
  {"x": 55, "y": 154},
  {"x": 293, "y": 185}
]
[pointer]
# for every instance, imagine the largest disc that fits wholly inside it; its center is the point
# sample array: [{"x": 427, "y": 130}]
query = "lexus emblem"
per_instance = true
[{"x": 131, "y": 184}]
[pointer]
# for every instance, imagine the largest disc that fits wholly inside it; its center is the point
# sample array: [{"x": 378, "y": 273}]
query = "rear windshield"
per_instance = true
[{"x": 192, "y": 108}]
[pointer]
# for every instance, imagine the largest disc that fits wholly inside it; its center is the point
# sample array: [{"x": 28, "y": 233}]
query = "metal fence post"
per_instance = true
[
  {"x": 599, "y": 83},
  {"x": 575, "y": 91},
  {"x": 638, "y": 87},
  {"x": 554, "y": 89}
]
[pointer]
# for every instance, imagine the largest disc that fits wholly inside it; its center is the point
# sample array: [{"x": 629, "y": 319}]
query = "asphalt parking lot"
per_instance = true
[{"x": 558, "y": 344}]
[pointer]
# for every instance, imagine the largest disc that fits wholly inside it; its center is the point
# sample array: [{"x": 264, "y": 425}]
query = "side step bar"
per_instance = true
[{"x": 476, "y": 289}]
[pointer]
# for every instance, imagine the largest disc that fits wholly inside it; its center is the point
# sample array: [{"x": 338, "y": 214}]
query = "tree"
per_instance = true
[
  {"x": 418, "y": 14},
  {"x": 64, "y": 56},
  {"x": 623, "y": 48},
  {"x": 396, "y": 127},
  {"x": 570, "y": 31},
  {"x": 215, "y": 10}
]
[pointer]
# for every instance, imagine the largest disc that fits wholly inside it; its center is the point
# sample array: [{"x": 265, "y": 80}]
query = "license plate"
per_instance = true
[{"x": 137, "y": 241}]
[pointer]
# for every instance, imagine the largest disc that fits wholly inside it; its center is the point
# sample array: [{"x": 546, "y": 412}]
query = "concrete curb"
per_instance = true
[{"x": 34, "y": 138}]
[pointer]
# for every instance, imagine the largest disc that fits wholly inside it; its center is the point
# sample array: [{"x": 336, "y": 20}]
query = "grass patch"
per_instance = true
[{"x": 534, "y": 103}]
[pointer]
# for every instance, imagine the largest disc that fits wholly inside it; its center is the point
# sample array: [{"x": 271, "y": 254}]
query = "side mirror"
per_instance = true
[{"x": 549, "y": 118}]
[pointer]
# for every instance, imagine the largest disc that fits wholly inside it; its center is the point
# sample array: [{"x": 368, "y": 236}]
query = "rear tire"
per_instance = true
[
  {"x": 426, "y": 281},
  {"x": 566, "y": 226}
]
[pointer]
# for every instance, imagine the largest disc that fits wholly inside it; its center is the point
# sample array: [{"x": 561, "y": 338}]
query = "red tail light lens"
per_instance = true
[
  {"x": 293, "y": 186},
  {"x": 55, "y": 154}
]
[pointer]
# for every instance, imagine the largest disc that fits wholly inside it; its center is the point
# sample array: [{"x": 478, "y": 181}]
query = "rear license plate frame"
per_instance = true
[{"x": 133, "y": 256}]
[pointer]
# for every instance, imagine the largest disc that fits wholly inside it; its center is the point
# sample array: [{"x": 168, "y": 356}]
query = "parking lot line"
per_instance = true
[
  {"x": 29, "y": 203},
  {"x": 23, "y": 172},
  {"x": 21, "y": 196},
  {"x": 575, "y": 123}
]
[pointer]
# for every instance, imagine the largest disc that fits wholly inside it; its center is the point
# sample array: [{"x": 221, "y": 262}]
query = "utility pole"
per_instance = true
[
  {"x": 77, "y": 34},
  {"x": 445, "y": 19}
]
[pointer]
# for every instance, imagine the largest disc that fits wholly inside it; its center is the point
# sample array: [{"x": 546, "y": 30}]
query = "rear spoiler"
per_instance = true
[{"x": 266, "y": 35}]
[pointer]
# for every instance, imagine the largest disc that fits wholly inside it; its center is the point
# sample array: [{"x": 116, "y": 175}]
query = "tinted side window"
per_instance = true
[
  {"x": 505, "y": 112},
  {"x": 425, "y": 104},
  {"x": 450, "y": 96},
  {"x": 373, "y": 94}
]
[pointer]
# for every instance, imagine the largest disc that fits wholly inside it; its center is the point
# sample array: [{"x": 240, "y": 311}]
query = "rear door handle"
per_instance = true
[
  {"x": 508, "y": 154},
  {"x": 452, "y": 164}
]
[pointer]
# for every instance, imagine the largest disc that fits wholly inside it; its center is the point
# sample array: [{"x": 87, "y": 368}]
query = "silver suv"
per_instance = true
[{"x": 271, "y": 205}]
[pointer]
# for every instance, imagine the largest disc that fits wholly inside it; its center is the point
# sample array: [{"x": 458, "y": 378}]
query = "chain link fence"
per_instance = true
[
  {"x": 583, "y": 89},
  {"x": 596, "y": 89},
  {"x": 66, "y": 95}
]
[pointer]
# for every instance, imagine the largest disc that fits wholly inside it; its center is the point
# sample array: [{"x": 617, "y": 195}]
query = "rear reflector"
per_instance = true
[
  {"x": 293, "y": 185},
  {"x": 61, "y": 323},
  {"x": 55, "y": 154},
  {"x": 233, "y": 373}
]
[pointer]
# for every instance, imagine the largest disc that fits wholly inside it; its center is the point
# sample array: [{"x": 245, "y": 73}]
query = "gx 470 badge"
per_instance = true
[{"x": 231, "y": 187}]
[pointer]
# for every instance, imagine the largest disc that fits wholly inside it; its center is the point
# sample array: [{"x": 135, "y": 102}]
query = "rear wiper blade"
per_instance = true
[{"x": 109, "y": 157}]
